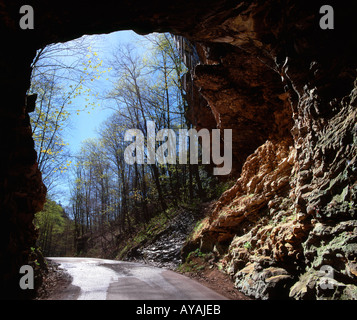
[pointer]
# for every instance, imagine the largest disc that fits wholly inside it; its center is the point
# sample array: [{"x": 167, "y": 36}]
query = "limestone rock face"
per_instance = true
[
  {"x": 293, "y": 209},
  {"x": 287, "y": 89}
]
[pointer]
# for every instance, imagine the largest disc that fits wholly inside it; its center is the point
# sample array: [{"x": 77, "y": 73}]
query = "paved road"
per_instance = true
[{"x": 99, "y": 279}]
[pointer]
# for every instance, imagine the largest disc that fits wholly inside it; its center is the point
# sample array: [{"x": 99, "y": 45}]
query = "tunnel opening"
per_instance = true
[
  {"x": 216, "y": 57},
  {"x": 105, "y": 194},
  {"x": 48, "y": 104},
  {"x": 107, "y": 197}
]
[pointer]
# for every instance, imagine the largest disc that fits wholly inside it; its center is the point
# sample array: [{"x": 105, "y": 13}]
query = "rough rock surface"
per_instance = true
[
  {"x": 287, "y": 89},
  {"x": 287, "y": 228},
  {"x": 164, "y": 250}
]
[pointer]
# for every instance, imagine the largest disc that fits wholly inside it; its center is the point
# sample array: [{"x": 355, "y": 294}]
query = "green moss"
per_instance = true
[
  {"x": 194, "y": 262},
  {"x": 247, "y": 245},
  {"x": 340, "y": 243}
]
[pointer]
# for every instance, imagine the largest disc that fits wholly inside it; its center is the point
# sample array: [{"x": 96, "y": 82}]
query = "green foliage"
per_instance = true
[
  {"x": 154, "y": 226},
  {"x": 58, "y": 84},
  {"x": 54, "y": 229},
  {"x": 51, "y": 217},
  {"x": 106, "y": 190},
  {"x": 196, "y": 253},
  {"x": 195, "y": 261},
  {"x": 247, "y": 245},
  {"x": 110, "y": 198}
]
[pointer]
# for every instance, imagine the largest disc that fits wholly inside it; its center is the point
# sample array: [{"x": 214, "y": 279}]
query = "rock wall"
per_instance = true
[
  {"x": 269, "y": 72},
  {"x": 22, "y": 192},
  {"x": 287, "y": 228}
]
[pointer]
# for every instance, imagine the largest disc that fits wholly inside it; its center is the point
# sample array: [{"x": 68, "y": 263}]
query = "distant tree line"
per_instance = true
[
  {"x": 55, "y": 230},
  {"x": 107, "y": 191},
  {"x": 110, "y": 197}
]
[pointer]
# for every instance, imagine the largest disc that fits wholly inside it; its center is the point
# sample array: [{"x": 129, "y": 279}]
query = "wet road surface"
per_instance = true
[{"x": 100, "y": 279}]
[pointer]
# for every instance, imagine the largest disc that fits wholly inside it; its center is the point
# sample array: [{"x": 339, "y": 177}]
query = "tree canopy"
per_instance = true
[{"x": 109, "y": 196}]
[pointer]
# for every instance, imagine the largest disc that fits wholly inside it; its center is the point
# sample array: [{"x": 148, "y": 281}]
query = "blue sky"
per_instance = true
[{"x": 84, "y": 125}]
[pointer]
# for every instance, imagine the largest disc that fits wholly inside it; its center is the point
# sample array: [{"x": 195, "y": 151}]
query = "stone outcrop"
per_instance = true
[
  {"x": 287, "y": 227},
  {"x": 268, "y": 71}
]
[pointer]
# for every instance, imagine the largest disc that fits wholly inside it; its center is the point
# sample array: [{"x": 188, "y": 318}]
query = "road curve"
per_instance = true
[{"x": 100, "y": 279}]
